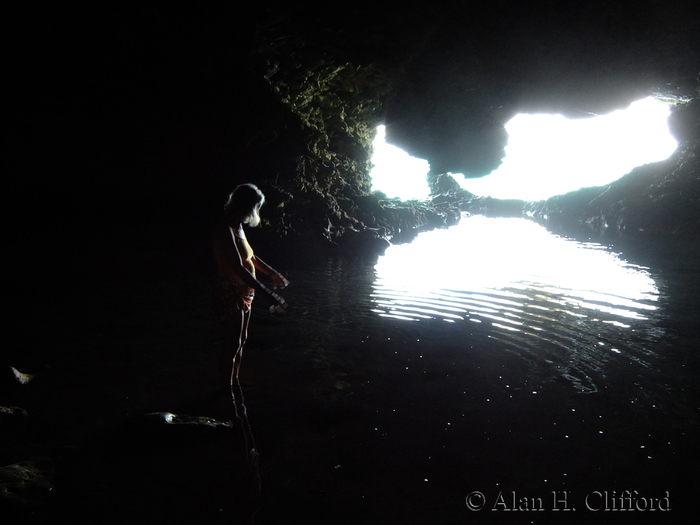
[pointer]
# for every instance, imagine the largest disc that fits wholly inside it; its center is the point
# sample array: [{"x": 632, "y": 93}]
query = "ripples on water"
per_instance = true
[
  {"x": 457, "y": 361},
  {"x": 509, "y": 291},
  {"x": 570, "y": 304}
]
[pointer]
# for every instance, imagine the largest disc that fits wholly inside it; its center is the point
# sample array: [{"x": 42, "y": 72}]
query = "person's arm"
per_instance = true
[
  {"x": 230, "y": 251},
  {"x": 278, "y": 280}
]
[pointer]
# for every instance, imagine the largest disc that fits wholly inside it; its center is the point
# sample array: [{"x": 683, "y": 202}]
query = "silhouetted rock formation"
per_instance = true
[{"x": 445, "y": 80}]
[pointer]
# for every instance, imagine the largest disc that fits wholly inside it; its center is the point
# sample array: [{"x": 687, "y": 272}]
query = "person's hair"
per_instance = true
[{"x": 245, "y": 200}]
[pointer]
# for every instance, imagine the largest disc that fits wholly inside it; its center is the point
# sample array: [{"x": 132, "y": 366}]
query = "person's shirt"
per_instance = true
[{"x": 245, "y": 252}]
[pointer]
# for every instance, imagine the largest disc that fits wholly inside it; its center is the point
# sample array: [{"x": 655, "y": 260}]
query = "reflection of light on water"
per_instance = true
[
  {"x": 561, "y": 305},
  {"x": 508, "y": 272}
]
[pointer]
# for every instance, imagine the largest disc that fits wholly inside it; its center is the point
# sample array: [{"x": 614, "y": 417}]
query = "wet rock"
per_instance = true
[
  {"x": 10, "y": 374},
  {"x": 12, "y": 417},
  {"x": 661, "y": 198},
  {"x": 168, "y": 419},
  {"x": 366, "y": 243},
  {"x": 443, "y": 184},
  {"x": 165, "y": 428},
  {"x": 11, "y": 380}
]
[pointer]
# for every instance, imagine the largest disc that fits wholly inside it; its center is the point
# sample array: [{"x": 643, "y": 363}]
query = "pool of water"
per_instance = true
[
  {"x": 573, "y": 307},
  {"x": 478, "y": 369},
  {"x": 493, "y": 361}
]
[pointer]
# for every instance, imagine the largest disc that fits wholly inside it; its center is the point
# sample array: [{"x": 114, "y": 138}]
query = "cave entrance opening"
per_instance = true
[
  {"x": 396, "y": 173},
  {"x": 546, "y": 155},
  {"x": 551, "y": 155}
]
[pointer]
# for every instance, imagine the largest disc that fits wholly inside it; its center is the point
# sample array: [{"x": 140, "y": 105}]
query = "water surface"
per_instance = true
[
  {"x": 573, "y": 305},
  {"x": 490, "y": 356}
]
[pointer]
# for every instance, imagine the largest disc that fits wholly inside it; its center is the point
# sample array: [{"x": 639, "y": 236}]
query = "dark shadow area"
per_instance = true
[{"x": 124, "y": 127}]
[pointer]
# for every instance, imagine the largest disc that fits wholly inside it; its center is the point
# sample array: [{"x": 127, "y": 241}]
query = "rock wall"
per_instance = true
[
  {"x": 656, "y": 199},
  {"x": 130, "y": 124},
  {"x": 333, "y": 97},
  {"x": 445, "y": 80}
]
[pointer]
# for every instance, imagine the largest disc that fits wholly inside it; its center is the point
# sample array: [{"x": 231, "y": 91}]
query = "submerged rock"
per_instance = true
[
  {"x": 25, "y": 486},
  {"x": 165, "y": 419},
  {"x": 166, "y": 428}
]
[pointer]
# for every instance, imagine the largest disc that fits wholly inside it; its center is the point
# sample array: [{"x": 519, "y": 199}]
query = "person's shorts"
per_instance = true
[{"x": 232, "y": 298}]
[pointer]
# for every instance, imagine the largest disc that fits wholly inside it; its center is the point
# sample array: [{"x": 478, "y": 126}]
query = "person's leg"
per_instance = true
[
  {"x": 243, "y": 322},
  {"x": 231, "y": 325},
  {"x": 237, "y": 396}
]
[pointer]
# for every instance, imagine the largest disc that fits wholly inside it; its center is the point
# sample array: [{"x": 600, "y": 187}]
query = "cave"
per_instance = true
[{"x": 126, "y": 126}]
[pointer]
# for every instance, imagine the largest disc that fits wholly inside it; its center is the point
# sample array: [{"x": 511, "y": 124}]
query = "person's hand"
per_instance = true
[
  {"x": 278, "y": 281},
  {"x": 279, "y": 306}
]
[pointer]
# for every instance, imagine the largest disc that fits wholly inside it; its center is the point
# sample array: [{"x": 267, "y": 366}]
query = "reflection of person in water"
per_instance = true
[{"x": 237, "y": 269}]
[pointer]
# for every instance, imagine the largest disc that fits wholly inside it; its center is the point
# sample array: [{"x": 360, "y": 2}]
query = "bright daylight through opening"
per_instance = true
[
  {"x": 546, "y": 155},
  {"x": 396, "y": 173}
]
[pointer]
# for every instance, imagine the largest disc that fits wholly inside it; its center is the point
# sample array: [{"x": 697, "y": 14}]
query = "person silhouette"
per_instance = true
[{"x": 238, "y": 268}]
